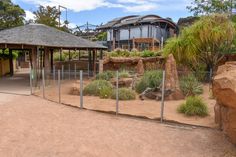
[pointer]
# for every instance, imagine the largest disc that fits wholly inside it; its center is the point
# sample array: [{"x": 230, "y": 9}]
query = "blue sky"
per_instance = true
[{"x": 101, "y": 11}]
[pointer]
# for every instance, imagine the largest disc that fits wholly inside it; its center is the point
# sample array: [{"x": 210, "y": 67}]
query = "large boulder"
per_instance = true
[
  {"x": 172, "y": 79},
  {"x": 224, "y": 90},
  {"x": 140, "y": 67}
]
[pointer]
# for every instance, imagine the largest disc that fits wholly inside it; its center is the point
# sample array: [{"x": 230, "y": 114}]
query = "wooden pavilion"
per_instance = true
[{"x": 41, "y": 41}]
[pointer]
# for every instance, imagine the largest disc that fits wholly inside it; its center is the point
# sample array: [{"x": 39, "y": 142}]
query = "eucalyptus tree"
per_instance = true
[{"x": 205, "y": 42}]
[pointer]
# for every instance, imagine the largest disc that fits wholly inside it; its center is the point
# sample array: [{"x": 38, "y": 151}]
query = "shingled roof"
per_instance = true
[{"x": 42, "y": 35}]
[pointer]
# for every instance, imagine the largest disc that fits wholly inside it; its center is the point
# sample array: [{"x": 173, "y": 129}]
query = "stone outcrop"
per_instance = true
[
  {"x": 224, "y": 90},
  {"x": 172, "y": 79},
  {"x": 140, "y": 67}
]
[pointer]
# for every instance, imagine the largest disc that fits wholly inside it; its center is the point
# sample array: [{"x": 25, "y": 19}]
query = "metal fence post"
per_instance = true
[
  {"x": 59, "y": 85},
  {"x": 62, "y": 72},
  {"x": 75, "y": 71},
  {"x": 81, "y": 89},
  {"x": 54, "y": 72},
  {"x": 69, "y": 71},
  {"x": 117, "y": 93},
  {"x": 43, "y": 75},
  {"x": 163, "y": 96}
]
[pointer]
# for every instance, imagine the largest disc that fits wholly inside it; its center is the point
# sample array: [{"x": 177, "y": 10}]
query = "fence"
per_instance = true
[{"x": 107, "y": 92}]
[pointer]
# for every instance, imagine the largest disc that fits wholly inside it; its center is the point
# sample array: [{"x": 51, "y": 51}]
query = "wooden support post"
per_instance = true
[
  {"x": 153, "y": 44},
  {"x": 133, "y": 44},
  {"x": 79, "y": 55},
  {"x": 46, "y": 64},
  {"x": 11, "y": 62},
  {"x": 69, "y": 56},
  {"x": 94, "y": 61},
  {"x": 60, "y": 54},
  {"x": 51, "y": 57},
  {"x": 90, "y": 60},
  {"x": 101, "y": 55}
]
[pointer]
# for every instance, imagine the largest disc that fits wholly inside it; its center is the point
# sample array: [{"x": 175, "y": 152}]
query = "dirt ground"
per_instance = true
[
  {"x": 33, "y": 127},
  {"x": 147, "y": 108}
]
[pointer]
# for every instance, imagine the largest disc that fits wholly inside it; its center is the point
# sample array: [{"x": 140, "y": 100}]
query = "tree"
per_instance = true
[
  {"x": 207, "y": 41},
  {"x": 11, "y": 15},
  {"x": 206, "y": 7},
  {"x": 47, "y": 15}
]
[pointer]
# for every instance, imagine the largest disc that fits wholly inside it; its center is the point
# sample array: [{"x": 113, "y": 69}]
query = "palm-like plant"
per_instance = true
[{"x": 207, "y": 41}]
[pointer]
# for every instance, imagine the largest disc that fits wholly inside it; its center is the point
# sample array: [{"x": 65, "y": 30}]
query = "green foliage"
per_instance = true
[
  {"x": 200, "y": 7},
  {"x": 107, "y": 75},
  {"x": 133, "y": 53},
  {"x": 193, "y": 106},
  {"x": 102, "y": 36},
  {"x": 105, "y": 92},
  {"x": 5, "y": 54},
  {"x": 124, "y": 74},
  {"x": 207, "y": 41},
  {"x": 47, "y": 15},
  {"x": 190, "y": 86},
  {"x": 151, "y": 79},
  {"x": 98, "y": 87},
  {"x": 147, "y": 53},
  {"x": 11, "y": 15},
  {"x": 124, "y": 94}
]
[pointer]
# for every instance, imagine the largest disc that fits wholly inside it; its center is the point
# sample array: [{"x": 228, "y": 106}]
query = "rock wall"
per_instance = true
[{"x": 224, "y": 90}]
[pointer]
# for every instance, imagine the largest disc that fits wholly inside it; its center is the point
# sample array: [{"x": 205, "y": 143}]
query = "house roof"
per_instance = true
[
  {"x": 136, "y": 20},
  {"x": 42, "y": 35}
]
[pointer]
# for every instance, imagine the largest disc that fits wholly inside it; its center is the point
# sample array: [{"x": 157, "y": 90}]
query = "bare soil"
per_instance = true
[
  {"x": 33, "y": 127},
  {"x": 148, "y": 108}
]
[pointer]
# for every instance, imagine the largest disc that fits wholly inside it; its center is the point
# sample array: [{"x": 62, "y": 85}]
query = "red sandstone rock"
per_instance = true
[
  {"x": 172, "y": 79},
  {"x": 140, "y": 67},
  {"x": 224, "y": 90}
]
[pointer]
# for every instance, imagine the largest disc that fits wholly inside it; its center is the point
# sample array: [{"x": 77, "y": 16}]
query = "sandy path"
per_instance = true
[{"x": 32, "y": 127}]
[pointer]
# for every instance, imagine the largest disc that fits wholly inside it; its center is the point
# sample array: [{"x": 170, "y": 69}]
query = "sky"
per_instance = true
[{"x": 101, "y": 11}]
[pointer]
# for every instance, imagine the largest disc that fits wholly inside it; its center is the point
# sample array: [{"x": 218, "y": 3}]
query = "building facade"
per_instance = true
[{"x": 139, "y": 32}]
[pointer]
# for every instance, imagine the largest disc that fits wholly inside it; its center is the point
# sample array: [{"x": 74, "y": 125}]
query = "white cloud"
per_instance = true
[
  {"x": 126, "y": 5},
  {"x": 29, "y": 15}
]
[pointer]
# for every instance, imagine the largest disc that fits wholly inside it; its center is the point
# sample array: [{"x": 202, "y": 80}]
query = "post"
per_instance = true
[
  {"x": 31, "y": 86},
  {"x": 75, "y": 71},
  {"x": 59, "y": 85},
  {"x": 163, "y": 96},
  {"x": 162, "y": 43},
  {"x": 210, "y": 76},
  {"x": 62, "y": 72},
  {"x": 69, "y": 71},
  {"x": 88, "y": 70},
  {"x": 43, "y": 75},
  {"x": 117, "y": 93},
  {"x": 81, "y": 89},
  {"x": 11, "y": 62},
  {"x": 54, "y": 73}
]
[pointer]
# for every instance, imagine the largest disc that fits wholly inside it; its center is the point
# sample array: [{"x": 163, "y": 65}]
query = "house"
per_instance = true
[{"x": 139, "y": 32}]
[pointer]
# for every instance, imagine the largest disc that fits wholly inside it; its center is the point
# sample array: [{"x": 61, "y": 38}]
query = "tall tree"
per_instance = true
[
  {"x": 205, "y": 7},
  {"x": 47, "y": 15},
  {"x": 11, "y": 15},
  {"x": 207, "y": 41}
]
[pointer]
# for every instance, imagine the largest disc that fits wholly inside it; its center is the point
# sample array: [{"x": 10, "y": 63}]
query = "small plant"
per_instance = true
[
  {"x": 107, "y": 75},
  {"x": 147, "y": 53},
  {"x": 124, "y": 94},
  {"x": 194, "y": 105},
  {"x": 105, "y": 92},
  {"x": 95, "y": 87},
  {"x": 190, "y": 86},
  {"x": 124, "y": 74},
  {"x": 151, "y": 79}
]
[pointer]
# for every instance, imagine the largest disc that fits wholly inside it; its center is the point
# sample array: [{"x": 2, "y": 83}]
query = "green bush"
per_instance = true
[
  {"x": 95, "y": 88},
  {"x": 120, "y": 53},
  {"x": 124, "y": 94},
  {"x": 124, "y": 74},
  {"x": 147, "y": 53},
  {"x": 107, "y": 75},
  {"x": 190, "y": 86},
  {"x": 151, "y": 79},
  {"x": 105, "y": 92},
  {"x": 194, "y": 105}
]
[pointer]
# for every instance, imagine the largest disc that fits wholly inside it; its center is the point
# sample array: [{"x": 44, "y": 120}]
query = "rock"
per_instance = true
[
  {"x": 224, "y": 90},
  {"x": 123, "y": 82},
  {"x": 172, "y": 79},
  {"x": 140, "y": 67}
]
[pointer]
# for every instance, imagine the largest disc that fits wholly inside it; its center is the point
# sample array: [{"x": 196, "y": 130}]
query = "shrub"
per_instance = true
[
  {"x": 96, "y": 86},
  {"x": 147, "y": 53},
  {"x": 107, "y": 75},
  {"x": 190, "y": 86},
  {"x": 124, "y": 74},
  {"x": 124, "y": 94},
  {"x": 120, "y": 53},
  {"x": 194, "y": 105},
  {"x": 105, "y": 92},
  {"x": 151, "y": 79}
]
